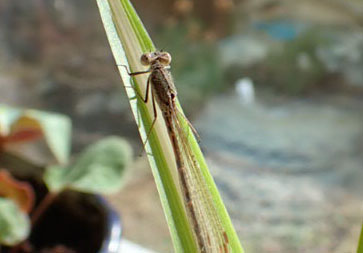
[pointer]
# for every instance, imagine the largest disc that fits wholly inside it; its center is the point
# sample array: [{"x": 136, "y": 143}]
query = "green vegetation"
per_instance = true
[{"x": 294, "y": 68}]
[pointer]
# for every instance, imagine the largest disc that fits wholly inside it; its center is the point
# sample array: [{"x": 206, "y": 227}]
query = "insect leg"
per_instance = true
[
  {"x": 145, "y": 100},
  {"x": 134, "y": 73},
  {"x": 147, "y": 85}
]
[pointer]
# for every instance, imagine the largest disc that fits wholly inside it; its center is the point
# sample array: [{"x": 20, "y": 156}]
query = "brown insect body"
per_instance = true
[{"x": 164, "y": 92}]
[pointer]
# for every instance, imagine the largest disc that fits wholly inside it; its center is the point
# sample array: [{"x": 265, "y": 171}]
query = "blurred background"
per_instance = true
[{"x": 274, "y": 88}]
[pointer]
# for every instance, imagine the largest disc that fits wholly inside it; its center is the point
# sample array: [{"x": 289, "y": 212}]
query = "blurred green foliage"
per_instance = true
[
  {"x": 293, "y": 68},
  {"x": 14, "y": 223},
  {"x": 99, "y": 168}
]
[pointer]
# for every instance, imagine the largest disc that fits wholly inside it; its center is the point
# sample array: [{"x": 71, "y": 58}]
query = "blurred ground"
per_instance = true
[
  {"x": 289, "y": 165},
  {"x": 292, "y": 169}
]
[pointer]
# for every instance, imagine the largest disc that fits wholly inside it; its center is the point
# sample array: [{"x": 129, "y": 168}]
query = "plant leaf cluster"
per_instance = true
[{"x": 98, "y": 169}]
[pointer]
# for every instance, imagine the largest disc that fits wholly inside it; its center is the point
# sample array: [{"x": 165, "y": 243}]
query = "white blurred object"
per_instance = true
[
  {"x": 130, "y": 247},
  {"x": 245, "y": 91}
]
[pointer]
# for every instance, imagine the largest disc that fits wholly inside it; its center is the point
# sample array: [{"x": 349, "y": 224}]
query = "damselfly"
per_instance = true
[{"x": 198, "y": 201}]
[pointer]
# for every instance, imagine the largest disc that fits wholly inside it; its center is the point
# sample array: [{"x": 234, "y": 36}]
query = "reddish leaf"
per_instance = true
[
  {"x": 23, "y": 130},
  {"x": 25, "y": 125},
  {"x": 23, "y": 135},
  {"x": 20, "y": 192}
]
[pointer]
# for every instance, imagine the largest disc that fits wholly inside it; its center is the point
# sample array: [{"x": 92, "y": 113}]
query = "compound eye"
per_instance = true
[
  {"x": 145, "y": 59},
  {"x": 165, "y": 58}
]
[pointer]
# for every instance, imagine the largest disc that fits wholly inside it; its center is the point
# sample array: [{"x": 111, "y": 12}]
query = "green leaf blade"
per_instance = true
[
  {"x": 129, "y": 40},
  {"x": 360, "y": 243},
  {"x": 180, "y": 230}
]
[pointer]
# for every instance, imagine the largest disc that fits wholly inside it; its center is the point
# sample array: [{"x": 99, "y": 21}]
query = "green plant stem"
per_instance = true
[{"x": 360, "y": 243}]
